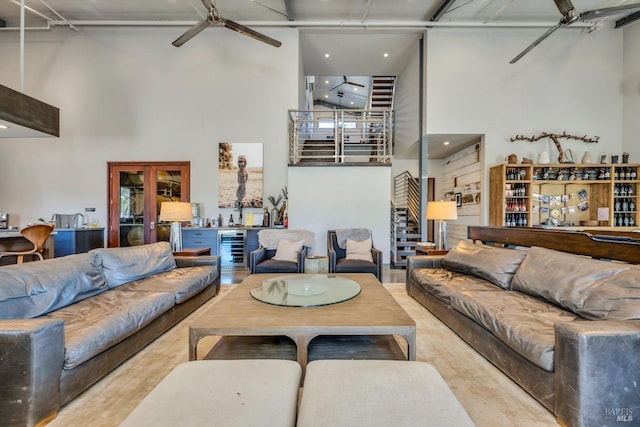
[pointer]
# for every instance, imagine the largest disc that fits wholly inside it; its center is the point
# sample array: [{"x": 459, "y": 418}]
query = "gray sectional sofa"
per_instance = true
[
  {"x": 562, "y": 325},
  {"x": 67, "y": 322}
]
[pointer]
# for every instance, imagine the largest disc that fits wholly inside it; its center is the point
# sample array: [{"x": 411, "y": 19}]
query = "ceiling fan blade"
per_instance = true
[
  {"x": 563, "y": 6},
  {"x": 354, "y": 84},
  {"x": 191, "y": 32},
  {"x": 208, "y": 4},
  {"x": 336, "y": 86},
  {"x": 535, "y": 43},
  {"x": 249, "y": 32},
  {"x": 608, "y": 11}
]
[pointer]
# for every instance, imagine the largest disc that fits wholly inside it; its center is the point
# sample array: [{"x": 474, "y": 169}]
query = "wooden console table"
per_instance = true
[
  {"x": 423, "y": 250},
  {"x": 193, "y": 252}
]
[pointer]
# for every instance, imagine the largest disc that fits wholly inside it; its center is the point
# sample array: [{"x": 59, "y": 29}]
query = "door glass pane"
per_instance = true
[
  {"x": 131, "y": 208},
  {"x": 168, "y": 189}
]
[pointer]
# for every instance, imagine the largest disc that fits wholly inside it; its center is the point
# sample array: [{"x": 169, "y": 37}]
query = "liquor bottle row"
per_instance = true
[
  {"x": 623, "y": 220},
  {"x": 516, "y": 190},
  {"x": 514, "y": 174},
  {"x": 623, "y": 190},
  {"x": 515, "y": 220},
  {"x": 516, "y": 205},
  {"x": 624, "y": 205},
  {"x": 625, "y": 173}
]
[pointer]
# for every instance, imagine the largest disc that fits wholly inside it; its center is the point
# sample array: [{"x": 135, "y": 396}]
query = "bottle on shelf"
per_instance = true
[
  {"x": 231, "y": 223},
  {"x": 220, "y": 220}
]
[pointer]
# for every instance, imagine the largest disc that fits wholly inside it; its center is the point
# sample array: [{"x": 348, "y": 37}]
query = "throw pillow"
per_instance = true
[
  {"x": 497, "y": 265},
  {"x": 288, "y": 250},
  {"x": 359, "y": 250}
]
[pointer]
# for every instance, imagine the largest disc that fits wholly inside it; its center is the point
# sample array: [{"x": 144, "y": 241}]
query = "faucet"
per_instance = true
[{"x": 75, "y": 218}]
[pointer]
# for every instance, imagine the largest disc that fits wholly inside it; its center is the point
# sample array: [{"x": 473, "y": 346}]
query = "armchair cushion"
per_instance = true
[
  {"x": 359, "y": 250},
  {"x": 288, "y": 250}
]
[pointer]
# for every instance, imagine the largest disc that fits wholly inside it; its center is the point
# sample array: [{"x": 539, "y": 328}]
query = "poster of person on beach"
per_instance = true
[{"x": 240, "y": 175}]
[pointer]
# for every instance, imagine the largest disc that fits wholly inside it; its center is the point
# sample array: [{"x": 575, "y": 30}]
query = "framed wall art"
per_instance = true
[{"x": 240, "y": 170}]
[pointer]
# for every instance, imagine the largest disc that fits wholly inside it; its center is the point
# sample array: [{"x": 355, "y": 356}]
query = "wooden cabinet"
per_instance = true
[
  {"x": 564, "y": 194},
  {"x": 77, "y": 241}
]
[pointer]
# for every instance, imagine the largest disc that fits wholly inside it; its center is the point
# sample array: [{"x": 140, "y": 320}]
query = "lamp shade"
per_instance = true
[
  {"x": 175, "y": 211},
  {"x": 442, "y": 210}
]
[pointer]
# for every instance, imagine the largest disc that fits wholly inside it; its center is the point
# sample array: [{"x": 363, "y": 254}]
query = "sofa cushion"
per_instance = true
[
  {"x": 182, "y": 283},
  {"x": 276, "y": 266},
  {"x": 95, "y": 324},
  {"x": 123, "y": 265},
  {"x": 442, "y": 283},
  {"x": 591, "y": 288},
  {"x": 36, "y": 288},
  {"x": 523, "y": 323},
  {"x": 491, "y": 263},
  {"x": 344, "y": 265}
]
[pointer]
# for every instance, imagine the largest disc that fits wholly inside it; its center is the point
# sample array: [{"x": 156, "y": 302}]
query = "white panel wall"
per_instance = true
[
  {"x": 631, "y": 92},
  {"x": 326, "y": 198},
  {"x": 570, "y": 82},
  {"x": 127, "y": 94}
]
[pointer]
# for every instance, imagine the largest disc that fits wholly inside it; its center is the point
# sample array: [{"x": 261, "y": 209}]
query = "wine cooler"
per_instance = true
[{"x": 231, "y": 248}]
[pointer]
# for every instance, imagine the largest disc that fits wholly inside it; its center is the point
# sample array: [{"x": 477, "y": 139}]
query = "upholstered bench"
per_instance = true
[
  {"x": 240, "y": 393},
  {"x": 377, "y": 393}
]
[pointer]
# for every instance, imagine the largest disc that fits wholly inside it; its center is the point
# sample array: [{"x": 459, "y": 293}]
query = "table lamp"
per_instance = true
[
  {"x": 442, "y": 211},
  {"x": 175, "y": 212}
]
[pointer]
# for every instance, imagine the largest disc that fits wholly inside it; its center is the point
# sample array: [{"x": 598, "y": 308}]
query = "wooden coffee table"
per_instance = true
[{"x": 374, "y": 312}]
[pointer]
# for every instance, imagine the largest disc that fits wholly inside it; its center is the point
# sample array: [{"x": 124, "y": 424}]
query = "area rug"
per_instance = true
[{"x": 488, "y": 396}]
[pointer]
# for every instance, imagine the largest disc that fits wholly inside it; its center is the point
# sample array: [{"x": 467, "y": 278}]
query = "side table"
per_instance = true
[
  {"x": 423, "y": 250},
  {"x": 316, "y": 264},
  {"x": 193, "y": 252}
]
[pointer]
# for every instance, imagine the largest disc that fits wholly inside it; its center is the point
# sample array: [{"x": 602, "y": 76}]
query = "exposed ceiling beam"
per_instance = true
[
  {"x": 290, "y": 7},
  {"x": 627, "y": 20},
  {"x": 22, "y": 110},
  {"x": 444, "y": 7}
]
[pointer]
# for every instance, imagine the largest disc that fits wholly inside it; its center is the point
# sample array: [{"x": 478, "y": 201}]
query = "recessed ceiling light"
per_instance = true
[
  {"x": 326, "y": 55},
  {"x": 386, "y": 55},
  {"x": 4, "y": 127},
  {"x": 446, "y": 143},
  {"x": 351, "y": 102},
  {"x": 326, "y": 82},
  {"x": 326, "y": 96}
]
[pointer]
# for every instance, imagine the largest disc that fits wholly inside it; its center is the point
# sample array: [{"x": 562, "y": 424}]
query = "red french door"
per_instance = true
[{"x": 136, "y": 191}]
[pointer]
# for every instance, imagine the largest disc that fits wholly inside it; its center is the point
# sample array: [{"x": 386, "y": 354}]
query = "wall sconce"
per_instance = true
[
  {"x": 442, "y": 211},
  {"x": 175, "y": 212}
]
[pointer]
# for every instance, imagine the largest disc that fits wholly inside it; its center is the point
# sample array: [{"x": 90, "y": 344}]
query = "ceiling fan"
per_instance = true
[
  {"x": 346, "y": 82},
  {"x": 214, "y": 18},
  {"x": 570, "y": 15}
]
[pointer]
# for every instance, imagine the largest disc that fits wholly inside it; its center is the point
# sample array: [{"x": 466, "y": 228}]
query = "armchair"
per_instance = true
[
  {"x": 339, "y": 262},
  {"x": 280, "y": 251}
]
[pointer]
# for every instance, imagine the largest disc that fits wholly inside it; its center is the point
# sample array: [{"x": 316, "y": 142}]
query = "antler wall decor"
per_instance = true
[{"x": 555, "y": 138}]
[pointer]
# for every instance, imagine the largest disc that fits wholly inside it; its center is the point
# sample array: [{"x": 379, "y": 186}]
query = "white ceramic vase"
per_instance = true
[
  {"x": 586, "y": 159},
  {"x": 543, "y": 158}
]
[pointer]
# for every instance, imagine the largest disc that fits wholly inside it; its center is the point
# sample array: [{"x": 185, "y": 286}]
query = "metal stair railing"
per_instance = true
[
  {"x": 405, "y": 218},
  {"x": 340, "y": 136}
]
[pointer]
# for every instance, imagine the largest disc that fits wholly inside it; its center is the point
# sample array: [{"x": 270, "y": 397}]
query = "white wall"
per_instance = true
[
  {"x": 127, "y": 94},
  {"x": 326, "y": 198},
  {"x": 631, "y": 92},
  {"x": 570, "y": 82}
]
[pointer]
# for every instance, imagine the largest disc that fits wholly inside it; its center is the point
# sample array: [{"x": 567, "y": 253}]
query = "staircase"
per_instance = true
[
  {"x": 382, "y": 91},
  {"x": 405, "y": 223}
]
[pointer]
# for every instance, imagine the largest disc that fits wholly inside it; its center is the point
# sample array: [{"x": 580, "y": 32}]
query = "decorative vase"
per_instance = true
[
  {"x": 586, "y": 159},
  {"x": 543, "y": 158}
]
